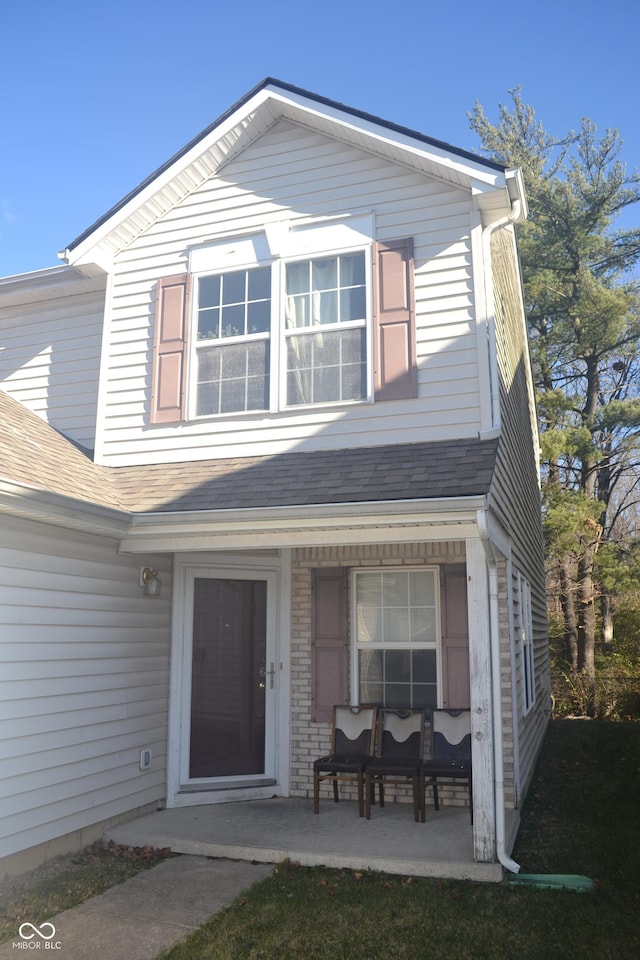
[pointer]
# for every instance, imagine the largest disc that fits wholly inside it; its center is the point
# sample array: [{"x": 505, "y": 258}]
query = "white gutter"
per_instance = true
[
  {"x": 507, "y": 862},
  {"x": 326, "y": 523},
  {"x": 518, "y": 212},
  {"x": 34, "y": 503},
  {"x": 349, "y": 511}
]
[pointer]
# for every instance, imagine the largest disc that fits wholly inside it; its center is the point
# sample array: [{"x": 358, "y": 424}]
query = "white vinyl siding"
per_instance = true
[
  {"x": 83, "y": 684},
  {"x": 516, "y": 495},
  {"x": 50, "y": 361},
  {"x": 296, "y": 175}
]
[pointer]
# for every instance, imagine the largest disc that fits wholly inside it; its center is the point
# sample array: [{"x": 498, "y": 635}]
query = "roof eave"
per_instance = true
[
  {"x": 33, "y": 503},
  {"x": 316, "y": 524},
  {"x": 61, "y": 280}
]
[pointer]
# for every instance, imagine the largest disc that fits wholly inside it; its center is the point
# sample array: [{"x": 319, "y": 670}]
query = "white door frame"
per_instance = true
[{"x": 276, "y": 571}]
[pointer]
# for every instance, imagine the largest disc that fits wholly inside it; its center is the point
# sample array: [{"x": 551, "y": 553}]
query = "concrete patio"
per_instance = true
[{"x": 273, "y": 830}]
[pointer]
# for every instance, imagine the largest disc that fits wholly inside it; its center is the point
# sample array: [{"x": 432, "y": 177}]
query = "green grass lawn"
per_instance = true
[{"x": 581, "y": 817}]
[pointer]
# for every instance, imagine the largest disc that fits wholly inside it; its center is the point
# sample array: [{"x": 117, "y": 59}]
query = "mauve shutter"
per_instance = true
[
  {"x": 455, "y": 637},
  {"x": 394, "y": 320},
  {"x": 329, "y": 642},
  {"x": 168, "y": 384}
]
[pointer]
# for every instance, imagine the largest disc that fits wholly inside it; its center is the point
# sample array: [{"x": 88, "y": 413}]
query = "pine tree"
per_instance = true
[{"x": 583, "y": 309}]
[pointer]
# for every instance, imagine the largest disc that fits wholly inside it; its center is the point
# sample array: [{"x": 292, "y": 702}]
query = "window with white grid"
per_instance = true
[
  {"x": 395, "y": 627},
  {"x": 524, "y": 624}
]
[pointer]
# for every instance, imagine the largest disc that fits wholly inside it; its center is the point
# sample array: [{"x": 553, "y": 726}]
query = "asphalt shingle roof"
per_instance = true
[
  {"x": 398, "y": 472},
  {"x": 34, "y": 454}
]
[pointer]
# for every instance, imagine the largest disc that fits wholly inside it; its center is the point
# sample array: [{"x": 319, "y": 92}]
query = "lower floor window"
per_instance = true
[
  {"x": 524, "y": 622},
  {"x": 398, "y": 678},
  {"x": 396, "y": 632}
]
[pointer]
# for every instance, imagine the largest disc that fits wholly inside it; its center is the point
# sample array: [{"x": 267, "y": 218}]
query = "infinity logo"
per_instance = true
[{"x": 37, "y": 930}]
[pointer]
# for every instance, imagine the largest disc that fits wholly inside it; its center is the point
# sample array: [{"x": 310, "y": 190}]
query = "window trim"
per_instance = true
[
  {"x": 281, "y": 381},
  {"x": 524, "y": 626},
  {"x": 197, "y": 345},
  {"x": 277, "y": 335},
  {"x": 391, "y": 333},
  {"x": 355, "y": 646}
]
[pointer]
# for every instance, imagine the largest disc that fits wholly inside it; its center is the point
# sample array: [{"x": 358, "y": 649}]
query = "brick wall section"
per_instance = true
[{"x": 311, "y": 740}]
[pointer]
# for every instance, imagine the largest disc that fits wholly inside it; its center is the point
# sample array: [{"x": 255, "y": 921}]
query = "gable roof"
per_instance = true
[
  {"x": 495, "y": 187},
  {"x": 40, "y": 461}
]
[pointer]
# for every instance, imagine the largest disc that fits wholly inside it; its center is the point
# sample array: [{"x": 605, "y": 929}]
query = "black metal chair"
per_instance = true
[
  {"x": 450, "y": 755},
  {"x": 352, "y": 747},
  {"x": 401, "y": 747}
]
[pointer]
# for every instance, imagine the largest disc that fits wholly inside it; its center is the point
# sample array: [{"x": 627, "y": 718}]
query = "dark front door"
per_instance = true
[{"x": 229, "y": 678}]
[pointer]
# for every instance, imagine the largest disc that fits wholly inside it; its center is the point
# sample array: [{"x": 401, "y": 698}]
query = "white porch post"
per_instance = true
[{"x": 484, "y": 819}]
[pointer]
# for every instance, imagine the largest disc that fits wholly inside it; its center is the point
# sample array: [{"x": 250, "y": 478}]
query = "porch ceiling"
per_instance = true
[{"x": 273, "y": 830}]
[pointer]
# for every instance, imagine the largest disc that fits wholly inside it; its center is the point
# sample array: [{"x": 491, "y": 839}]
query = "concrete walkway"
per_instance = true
[
  {"x": 139, "y": 918},
  {"x": 226, "y": 848}
]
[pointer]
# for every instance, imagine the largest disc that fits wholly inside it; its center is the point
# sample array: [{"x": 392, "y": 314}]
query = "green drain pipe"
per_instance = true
[{"x": 553, "y": 881}]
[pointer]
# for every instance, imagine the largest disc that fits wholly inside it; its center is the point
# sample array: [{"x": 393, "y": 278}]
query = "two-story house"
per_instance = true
[{"x": 269, "y": 444}]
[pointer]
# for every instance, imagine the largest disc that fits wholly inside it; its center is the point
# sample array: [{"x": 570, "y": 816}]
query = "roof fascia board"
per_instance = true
[
  {"x": 477, "y": 168},
  {"x": 289, "y": 526},
  {"x": 60, "y": 277},
  {"x": 398, "y": 128},
  {"x": 320, "y": 511},
  {"x": 31, "y": 503},
  {"x": 496, "y": 531},
  {"x": 466, "y": 164},
  {"x": 251, "y": 539},
  {"x": 160, "y": 179},
  {"x": 515, "y": 186},
  {"x": 47, "y": 277},
  {"x": 406, "y": 521},
  {"x": 510, "y": 193}
]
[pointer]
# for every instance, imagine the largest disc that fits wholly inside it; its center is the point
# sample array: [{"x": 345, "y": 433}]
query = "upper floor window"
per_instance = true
[
  {"x": 327, "y": 295},
  {"x": 318, "y": 322},
  {"x": 315, "y": 325},
  {"x": 232, "y": 341}
]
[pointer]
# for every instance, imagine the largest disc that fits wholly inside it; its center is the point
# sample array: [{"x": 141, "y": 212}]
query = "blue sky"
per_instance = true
[{"x": 96, "y": 95}]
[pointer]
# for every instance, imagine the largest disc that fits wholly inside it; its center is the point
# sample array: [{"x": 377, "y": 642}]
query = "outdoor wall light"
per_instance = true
[{"x": 150, "y": 582}]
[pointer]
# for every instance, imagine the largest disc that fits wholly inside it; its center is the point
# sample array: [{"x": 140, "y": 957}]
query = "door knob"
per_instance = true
[{"x": 271, "y": 672}]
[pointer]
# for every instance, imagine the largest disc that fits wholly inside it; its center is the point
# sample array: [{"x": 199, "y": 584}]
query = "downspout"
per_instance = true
[
  {"x": 506, "y": 221},
  {"x": 498, "y": 753},
  {"x": 516, "y": 213}
]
